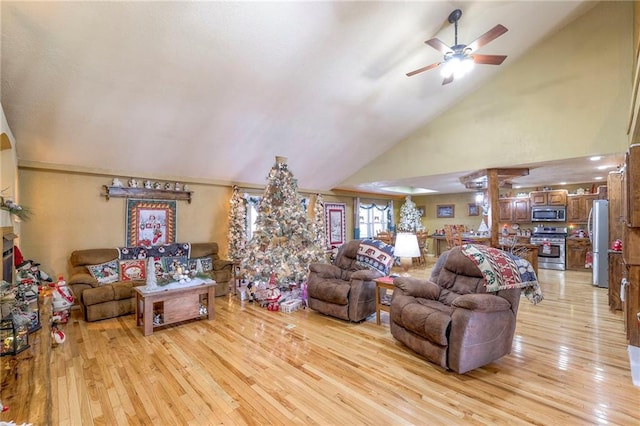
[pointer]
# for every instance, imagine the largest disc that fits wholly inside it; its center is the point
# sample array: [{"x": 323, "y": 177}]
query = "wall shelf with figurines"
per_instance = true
[{"x": 148, "y": 190}]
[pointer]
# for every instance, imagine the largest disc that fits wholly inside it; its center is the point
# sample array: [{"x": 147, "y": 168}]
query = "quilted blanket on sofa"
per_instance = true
[{"x": 503, "y": 270}]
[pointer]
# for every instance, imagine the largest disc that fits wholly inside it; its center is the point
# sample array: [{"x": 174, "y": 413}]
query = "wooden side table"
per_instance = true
[{"x": 384, "y": 283}]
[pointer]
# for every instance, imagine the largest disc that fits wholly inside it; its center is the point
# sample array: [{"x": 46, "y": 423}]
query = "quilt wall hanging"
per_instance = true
[
  {"x": 335, "y": 222},
  {"x": 150, "y": 222}
]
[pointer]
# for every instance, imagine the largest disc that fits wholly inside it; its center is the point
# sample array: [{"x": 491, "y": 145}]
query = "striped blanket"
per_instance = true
[{"x": 503, "y": 270}]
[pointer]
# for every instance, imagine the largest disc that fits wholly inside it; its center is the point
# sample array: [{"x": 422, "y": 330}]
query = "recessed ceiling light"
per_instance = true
[
  {"x": 596, "y": 158},
  {"x": 409, "y": 190},
  {"x": 598, "y": 178}
]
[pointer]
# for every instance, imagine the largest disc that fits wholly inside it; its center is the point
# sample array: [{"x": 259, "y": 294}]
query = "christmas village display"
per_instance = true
[
  {"x": 20, "y": 310},
  {"x": 276, "y": 260}
]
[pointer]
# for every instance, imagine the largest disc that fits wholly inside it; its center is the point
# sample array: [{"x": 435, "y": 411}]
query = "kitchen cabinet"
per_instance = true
[
  {"x": 631, "y": 190},
  {"x": 616, "y": 272},
  {"x": 514, "y": 210},
  {"x": 614, "y": 195},
  {"x": 556, "y": 197},
  {"x": 631, "y": 305},
  {"x": 577, "y": 249},
  {"x": 579, "y": 206}
]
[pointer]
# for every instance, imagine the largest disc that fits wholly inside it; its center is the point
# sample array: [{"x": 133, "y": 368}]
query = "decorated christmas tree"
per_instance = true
[
  {"x": 320, "y": 222},
  {"x": 284, "y": 242},
  {"x": 410, "y": 217},
  {"x": 237, "y": 235}
]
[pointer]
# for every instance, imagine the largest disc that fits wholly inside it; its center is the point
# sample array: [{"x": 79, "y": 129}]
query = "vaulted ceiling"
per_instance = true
[{"x": 213, "y": 91}]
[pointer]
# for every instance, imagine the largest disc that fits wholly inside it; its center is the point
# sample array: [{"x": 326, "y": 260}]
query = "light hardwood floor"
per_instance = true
[{"x": 569, "y": 366}]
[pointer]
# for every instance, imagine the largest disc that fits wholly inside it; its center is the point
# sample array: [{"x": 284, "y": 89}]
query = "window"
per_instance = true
[
  {"x": 374, "y": 218},
  {"x": 252, "y": 214}
]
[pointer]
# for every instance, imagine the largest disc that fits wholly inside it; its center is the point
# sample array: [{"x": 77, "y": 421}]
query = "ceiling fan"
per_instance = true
[{"x": 460, "y": 58}]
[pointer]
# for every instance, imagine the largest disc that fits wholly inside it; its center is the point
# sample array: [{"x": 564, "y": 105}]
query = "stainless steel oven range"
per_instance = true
[{"x": 551, "y": 242}]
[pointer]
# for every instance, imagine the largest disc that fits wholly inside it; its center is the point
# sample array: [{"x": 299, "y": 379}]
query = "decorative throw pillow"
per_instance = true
[
  {"x": 171, "y": 264},
  {"x": 133, "y": 270},
  {"x": 206, "y": 262},
  {"x": 376, "y": 255},
  {"x": 159, "y": 266},
  {"x": 105, "y": 273}
]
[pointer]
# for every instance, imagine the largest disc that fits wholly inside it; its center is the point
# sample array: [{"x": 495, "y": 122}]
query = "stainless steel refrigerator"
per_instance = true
[{"x": 598, "y": 226}]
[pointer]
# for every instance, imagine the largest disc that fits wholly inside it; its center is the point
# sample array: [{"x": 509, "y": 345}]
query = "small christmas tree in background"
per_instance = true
[
  {"x": 284, "y": 242},
  {"x": 320, "y": 223},
  {"x": 237, "y": 235},
  {"x": 410, "y": 217}
]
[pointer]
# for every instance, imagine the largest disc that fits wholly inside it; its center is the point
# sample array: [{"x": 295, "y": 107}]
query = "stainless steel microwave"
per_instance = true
[{"x": 548, "y": 214}]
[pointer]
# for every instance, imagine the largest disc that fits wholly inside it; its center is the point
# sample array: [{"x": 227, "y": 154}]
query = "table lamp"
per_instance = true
[{"x": 406, "y": 248}]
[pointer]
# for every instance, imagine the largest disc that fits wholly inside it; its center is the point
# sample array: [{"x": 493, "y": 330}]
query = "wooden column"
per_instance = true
[
  {"x": 493, "y": 195},
  {"x": 491, "y": 179}
]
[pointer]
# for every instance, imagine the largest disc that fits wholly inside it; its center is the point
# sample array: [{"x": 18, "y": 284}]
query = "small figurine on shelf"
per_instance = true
[
  {"x": 167, "y": 186},
  {"x": 61, "y": 317},
  {"x": 147, "y": 184},
  {"x": 58, "y": 337},
  {"x": 152, "y": 279},
  {"x": 38, "y": 273},
  {"x": 251, "y": 292},
  {"x": 133, "y": 183},
  {"x": 116, "y": 182},
  {"x": 185, "y": 187},
  {"x": 273, "y": 294},
  {"x": 203, "y": 309},
  {"x": 177, "y": 186},
  {"x": 62, "y": 300},
  {"x": 157, "y": 185}
]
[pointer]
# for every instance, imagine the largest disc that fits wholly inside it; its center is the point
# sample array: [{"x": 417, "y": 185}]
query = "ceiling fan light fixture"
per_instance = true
[
  {"x": 465, "y": 67},
  {"x": 459, "y": 58},
  {"x": 458, "y": 66},
  {"x": 449, "y": 67}
]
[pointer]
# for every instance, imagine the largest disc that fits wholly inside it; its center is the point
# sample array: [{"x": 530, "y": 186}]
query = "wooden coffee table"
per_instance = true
[{"x": 176, "y": 304}]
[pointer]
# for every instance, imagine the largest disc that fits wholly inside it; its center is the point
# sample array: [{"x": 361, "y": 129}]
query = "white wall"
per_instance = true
[{"x": 568, "y": 97}]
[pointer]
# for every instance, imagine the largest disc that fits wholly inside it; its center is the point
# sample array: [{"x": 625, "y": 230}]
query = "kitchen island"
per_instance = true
[
  {"x": 440, "y": 241},
  {"x": 521, "y": 248}
]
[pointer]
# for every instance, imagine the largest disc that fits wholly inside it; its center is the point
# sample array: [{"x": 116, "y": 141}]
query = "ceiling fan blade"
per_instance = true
[
  {"x": 439, "y": 45},
  {"x": 489, "y": 59},
  {"x": 485, "y": 38},
  {"x": 419, "y": 70},
  {"x": 447, "y": 80}
]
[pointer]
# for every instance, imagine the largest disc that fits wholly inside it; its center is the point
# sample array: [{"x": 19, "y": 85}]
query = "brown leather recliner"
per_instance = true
[
  {"x": 450, "y": 319},
  {"x": 343, "y": 289}
]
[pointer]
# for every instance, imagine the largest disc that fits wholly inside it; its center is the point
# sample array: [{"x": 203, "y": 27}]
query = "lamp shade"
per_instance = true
[{"x": 406, "y": 245}]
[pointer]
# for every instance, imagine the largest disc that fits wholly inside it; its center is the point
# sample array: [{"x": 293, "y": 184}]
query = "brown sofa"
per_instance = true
[
  {"x": 450, "y": 319},
  {"x": 343, "y": 289},
  {"x": 111, "y": 300}
]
